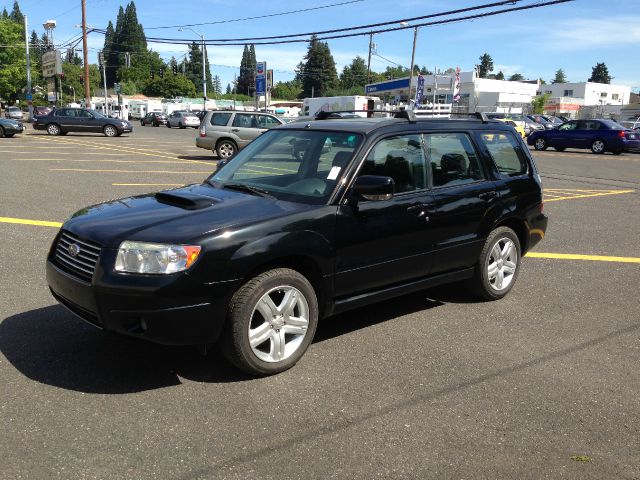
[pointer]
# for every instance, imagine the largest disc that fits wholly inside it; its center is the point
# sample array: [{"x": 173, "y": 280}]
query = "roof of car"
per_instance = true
[{"x": 367, "y": 125}]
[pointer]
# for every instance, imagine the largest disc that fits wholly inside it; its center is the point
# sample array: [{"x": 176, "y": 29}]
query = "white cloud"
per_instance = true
[
  {"x": 587, "y": 34},
  {"x": 508, "y": 70}
]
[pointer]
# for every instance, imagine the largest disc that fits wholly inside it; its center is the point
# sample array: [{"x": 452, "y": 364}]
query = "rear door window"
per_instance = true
[
  {"x": 506, "y": 152},
  {"x": 220, "y": 119},
  {"x": 452, "y": 159}
]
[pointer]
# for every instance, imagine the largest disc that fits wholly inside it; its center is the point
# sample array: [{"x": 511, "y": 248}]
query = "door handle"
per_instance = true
[
  {"x": 235, "y": 129},
  {"x": 420, "y": 210},
  {"x": 488, "y": 196}
]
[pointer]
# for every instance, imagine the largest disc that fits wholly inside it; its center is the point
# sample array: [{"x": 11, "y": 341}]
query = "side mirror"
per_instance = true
[{"x": 374, "y": 187}]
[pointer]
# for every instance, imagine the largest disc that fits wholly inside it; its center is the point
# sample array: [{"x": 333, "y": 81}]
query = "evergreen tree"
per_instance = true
[
  {"x": 500, "y": 75},
  {"x": 560, "y": 77},
  {"x": 516, "y": 77},
  {"x": 109, "y": 55},
  {"x": 16, "y": 15},
  {"x": 217, "y": 85},
  {"x": 319, "y": 72},
  {"x": 228, "y": 89},
  {"x": 5, "y": 14},
  {"x": 485, "y": 66},
  {"x": 247, "y": 71},
  {"x": 600, "y": 74},
  {"x": 355, "y": 74}
]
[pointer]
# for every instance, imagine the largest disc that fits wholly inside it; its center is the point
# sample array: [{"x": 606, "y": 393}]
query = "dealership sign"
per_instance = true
[{"x": 51, "y": 63}]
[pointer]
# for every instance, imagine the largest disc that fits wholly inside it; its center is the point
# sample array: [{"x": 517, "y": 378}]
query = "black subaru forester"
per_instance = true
[{"x": 311, "y": 219}]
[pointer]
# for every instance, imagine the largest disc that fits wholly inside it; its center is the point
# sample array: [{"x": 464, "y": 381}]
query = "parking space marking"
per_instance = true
[
  {"x": 121, "y": 171},
  {"x": 93, "y": 160},
  {"x": 24, "y": 221},
  {"x": 147, "y": 184},
  {"x": 594, "y": 258},
  {"x": 558, "y": 194},
  {"x": 122, "y": 148}
]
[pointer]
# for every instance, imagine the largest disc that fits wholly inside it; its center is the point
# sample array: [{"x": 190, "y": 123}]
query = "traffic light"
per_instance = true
[
  {"x": 152, "y": 75},
  {"x": 174, "y": 69},
  {"x": 161, "y": 72}
]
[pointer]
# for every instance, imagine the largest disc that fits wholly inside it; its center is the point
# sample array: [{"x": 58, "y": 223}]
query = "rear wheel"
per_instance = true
[
  {"x": 226, "y": 149},
  {"x": 498, "y": 265},
  {"x": 598, "y": 147},
  {"x": 2, "y": 134},
  {"x": 168, "y": 125},
  {"x": 270, "y": 322},
  {"x": 110, "y": 131},
  {"x": 181, "y": 125},
  {"x": 53, "y": 129},
  {"x": 540, "y": 144}
]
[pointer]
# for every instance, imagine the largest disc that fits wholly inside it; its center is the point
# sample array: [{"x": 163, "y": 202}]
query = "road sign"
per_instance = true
[
  {"x": 28, "y": 96},
  {"x": 116, "y": 87},
  {"x": 51, "y": 63},
  {"x": 261, "y": 85}
]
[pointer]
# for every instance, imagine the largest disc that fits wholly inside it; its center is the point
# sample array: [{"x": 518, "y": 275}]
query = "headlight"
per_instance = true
[
  {"x": 155, "y": 258},
  {"x": 124, "y": 124}
]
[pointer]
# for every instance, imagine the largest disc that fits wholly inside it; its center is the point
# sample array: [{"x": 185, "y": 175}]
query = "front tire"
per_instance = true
[
  {"x": 53, "y": 129},
  {"x": 498, "y": 265},
  {"x": 540, "y": 144},
  {"x": 110, "y": 131},
  {"x": 598, "y": 147},
  {"x": 181, "y": 125},
  {"x": 270, "y": 322},
  {"x": 225, "y": 149}
]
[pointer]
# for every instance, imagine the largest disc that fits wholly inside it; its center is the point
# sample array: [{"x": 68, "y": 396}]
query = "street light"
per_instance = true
[
  {"x": 413, "y": 55},
  {"x": 204, "y": 75}
]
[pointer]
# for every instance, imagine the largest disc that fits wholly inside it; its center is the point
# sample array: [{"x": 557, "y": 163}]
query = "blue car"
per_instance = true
[{"x": 598, "y": 135}]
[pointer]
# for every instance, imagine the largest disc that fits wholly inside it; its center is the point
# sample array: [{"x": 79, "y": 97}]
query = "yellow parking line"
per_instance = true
[
  {"x": 595, "y": 258},
  {"x": 121, "y": 171},
  {"x": 95, "y": 160},
  {"x": 571, "y": 197},
  {"x": 24, "y": 221}
]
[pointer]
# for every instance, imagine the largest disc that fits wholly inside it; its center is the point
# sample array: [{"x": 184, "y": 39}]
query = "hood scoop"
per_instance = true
[{"x": 185, "y": 200}]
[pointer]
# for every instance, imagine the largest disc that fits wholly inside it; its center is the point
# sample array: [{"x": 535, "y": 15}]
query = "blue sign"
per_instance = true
[
  {"x": 28, "y": 96},
  {"x": 261, "y": 85},
  {"x": 387, "y": 86},
  {"x": 420, "y": 89}
]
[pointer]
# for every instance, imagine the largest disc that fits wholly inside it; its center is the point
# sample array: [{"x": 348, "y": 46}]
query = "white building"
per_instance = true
[
  {"x": 476, "y": 94},
  {"x": 585, "y": 99}
]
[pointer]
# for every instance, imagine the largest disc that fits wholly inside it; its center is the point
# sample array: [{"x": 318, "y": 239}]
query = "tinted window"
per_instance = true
[
  {"x": 568, "y": 126},
  {"x": 84, "y": 114},
  {"x": 220, "y": 119},
  {"x": 401, "y": 158},
  {"x": 589, "y": 125},
  {"x": 505, "y": 152},
  {"x": 265, "y": 121},
  {"x": 452, "y": 159}
]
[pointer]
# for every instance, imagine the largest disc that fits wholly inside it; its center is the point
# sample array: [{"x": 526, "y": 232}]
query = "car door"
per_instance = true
[
  {"x": 384, "y": 242},
  {"x": 463, "y": 196},
  {"x": 565, "y": 136},
  {"x": 65, "y": 117},
  {"x": 88, "y": 122},
  {"x": 245, "y": 128},
  {"x": 586, "y": 133}
]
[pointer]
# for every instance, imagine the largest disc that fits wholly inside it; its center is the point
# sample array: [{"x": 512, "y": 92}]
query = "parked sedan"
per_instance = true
[
  {"x": 9, "y": 127},
  {"x": 154, "y": 119},
  {"x": 542, "y": 120},
  {"x": 13, "y": 112},
  {"x": 65, "y": 120},
  {"x": 183, "y": 120},
  {"x": 598, "y": 135}
]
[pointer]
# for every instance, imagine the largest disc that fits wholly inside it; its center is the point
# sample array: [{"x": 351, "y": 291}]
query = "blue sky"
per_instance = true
[{"x": 572, "y": 36}]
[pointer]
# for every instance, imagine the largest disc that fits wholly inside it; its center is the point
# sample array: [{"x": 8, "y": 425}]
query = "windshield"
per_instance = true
[
  {"x": 96, "y": 114},
  {"x": 296, "y": 165}
]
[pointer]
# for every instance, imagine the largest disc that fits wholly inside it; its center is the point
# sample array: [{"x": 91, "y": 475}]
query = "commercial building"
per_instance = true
[{"x": 585, "y": 99}]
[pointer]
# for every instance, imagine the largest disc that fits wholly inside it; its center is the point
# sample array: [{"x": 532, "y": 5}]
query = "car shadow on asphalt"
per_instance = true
[
  {"x": 52, "y": 346},
  {"x": 208, "y": 158}
]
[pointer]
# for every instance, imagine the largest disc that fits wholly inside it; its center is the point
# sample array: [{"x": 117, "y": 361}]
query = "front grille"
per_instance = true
[{"x": 83, "y": 264}]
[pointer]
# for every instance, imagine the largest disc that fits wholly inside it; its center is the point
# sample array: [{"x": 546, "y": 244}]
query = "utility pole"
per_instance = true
[
  {"x": 105, "y": 110},
  {"x": 369, "y": 60},
  {"x": 85, "y": 56},
  {"x": 413, "y": 55},
  {"x": 204, "y": 75},
  {"x": 29, "y": 94}
]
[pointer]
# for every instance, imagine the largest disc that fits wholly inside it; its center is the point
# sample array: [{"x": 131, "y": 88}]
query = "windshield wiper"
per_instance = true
[{"x": 247, "y": 188}]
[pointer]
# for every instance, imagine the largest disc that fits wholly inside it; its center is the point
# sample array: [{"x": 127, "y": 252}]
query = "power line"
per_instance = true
[{"x": 258, "y": 16}]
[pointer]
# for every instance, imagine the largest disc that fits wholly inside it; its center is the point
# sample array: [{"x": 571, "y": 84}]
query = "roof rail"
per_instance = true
[
  {"x": 408, "y": 114},
  {"x": 324, "y": 115},
  {"x": 478, "y": 115}
]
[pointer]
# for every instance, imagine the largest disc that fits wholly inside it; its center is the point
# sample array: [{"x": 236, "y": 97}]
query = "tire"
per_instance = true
[
  {"x": 540, "y": 144},
  {"x": 110, "y": 131},
  {"x": 168, "y": 125},
  {"x": 2, "y": 134},
  {"x": 270, "y": 322},
  {"x": 155, "y": 124},
  {"x": 598, "y": 147},
  {"x": 560, "y": 149},
  {"x": 9, "y": 135},
  {"x": 498, "y": 265},
  {"x": 181, "y": 125},
  {"x": 141, "y": 123},
  {"x": 53, "y": 129},
  {"x": 226, "y": 149}
]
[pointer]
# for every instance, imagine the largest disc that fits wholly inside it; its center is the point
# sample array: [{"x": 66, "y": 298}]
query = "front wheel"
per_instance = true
[
  {"x": 270, "y": 322},
  {"x": 498, "y": 265},
  {"x": 598, "y": 146},
  {"x": 225, "y": 149},
  {"x": 540, "y": 144},
  {"x": 53, "y": 129},
  {"x": 110, "y": 131}
]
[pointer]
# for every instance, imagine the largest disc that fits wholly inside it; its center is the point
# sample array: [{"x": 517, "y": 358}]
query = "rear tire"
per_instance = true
[
  {"x": 181, "y": 125},
  {"x": 2, "y": 134},
  {"x": 540, "y": 144},
  {"x": 498, "y": 265},
  {"x": 270, "y": 322},
  {"x": 226, "y": 149}
]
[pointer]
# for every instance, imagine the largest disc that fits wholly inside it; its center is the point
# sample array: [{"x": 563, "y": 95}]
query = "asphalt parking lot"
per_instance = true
[{"x": 542, "y": 384}]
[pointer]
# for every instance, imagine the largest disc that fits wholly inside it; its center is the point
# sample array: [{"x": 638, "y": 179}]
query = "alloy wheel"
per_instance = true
[{"x": 502, "y": 264}]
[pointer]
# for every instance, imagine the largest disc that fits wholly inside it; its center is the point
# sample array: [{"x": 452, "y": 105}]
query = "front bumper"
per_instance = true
[{"x": 170, "y": 310}]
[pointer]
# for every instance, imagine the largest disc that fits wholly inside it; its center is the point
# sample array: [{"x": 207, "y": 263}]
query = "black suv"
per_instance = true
[{"x": 310, "y": 219}]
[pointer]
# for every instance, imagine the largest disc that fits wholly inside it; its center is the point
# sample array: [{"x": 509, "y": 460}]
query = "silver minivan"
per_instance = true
[{"x": 226, "y": 132}]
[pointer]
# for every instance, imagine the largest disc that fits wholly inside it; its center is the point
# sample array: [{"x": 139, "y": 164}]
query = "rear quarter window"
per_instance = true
[
  {"x": 220, "y": 119},
  {"x": 506, "y": 152}
]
